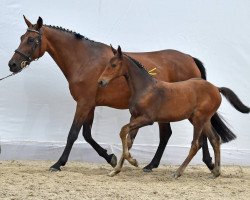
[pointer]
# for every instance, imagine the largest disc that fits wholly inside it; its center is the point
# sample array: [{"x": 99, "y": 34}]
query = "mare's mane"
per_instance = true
[{"x": 77, "y": 35}]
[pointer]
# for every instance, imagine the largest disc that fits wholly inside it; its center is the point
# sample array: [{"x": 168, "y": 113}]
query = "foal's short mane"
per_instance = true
[
  {"x": 77, "y": 35},
  {"x": 138, "y": 64}
]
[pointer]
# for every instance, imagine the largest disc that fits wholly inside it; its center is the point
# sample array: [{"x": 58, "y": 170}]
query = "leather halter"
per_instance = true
[{"x": 37, "y": 42}]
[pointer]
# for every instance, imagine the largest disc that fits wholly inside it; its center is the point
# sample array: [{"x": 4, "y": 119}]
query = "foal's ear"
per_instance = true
[
  {"x": 27, "y": 22},
  {"x": 119, "y": 52},
  {"x": 113, "y": 49},
  {"x": 39, "y": 23}
]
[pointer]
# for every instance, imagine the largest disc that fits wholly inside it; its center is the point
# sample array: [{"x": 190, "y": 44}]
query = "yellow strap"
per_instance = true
[{"x": 151, "y": 72}]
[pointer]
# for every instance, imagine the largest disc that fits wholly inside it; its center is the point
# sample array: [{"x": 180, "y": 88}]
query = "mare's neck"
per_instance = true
[
  {"x": 138, "y": 79},
  {"x": 69, "y": 53}
]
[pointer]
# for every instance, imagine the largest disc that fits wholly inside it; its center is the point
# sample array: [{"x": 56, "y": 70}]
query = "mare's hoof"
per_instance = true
[
  {"x": 149, "y": 169},
  {"x": 113, "y": 161},
  {"x": 55, "y": 168},
  {"x": 113, "y": 173},
  {"x": 52, "y": 169}
]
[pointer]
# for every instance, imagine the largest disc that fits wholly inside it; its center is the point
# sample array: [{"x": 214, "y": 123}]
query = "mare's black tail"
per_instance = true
[
  {"x": 221, "y": 129},
  {"x": 201, "y": 68}
]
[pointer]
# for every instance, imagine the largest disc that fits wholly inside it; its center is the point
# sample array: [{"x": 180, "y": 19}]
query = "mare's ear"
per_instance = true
[
  {"x": 119, "y": 52},
  {"x": 27, "y": 22},
  {"x": 39, "y": 24},
  {"x": 113, "y": 49}
]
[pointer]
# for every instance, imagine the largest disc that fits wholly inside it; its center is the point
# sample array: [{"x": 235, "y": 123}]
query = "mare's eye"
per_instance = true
[
  {"x": 30, "y": 40},
  {"x": 113, "y": 65}
]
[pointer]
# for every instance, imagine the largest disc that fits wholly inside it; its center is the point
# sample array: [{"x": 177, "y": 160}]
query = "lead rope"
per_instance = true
[{"x": 7, "y": 76}]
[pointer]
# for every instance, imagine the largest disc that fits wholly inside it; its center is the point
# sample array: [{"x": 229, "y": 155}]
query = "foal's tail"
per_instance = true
[
  {"x": 218, "y": 122},
  {"x": 234, "y": 100}
]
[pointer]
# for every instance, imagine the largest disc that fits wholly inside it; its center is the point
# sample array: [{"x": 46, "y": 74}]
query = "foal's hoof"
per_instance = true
[
  {"x": 133, "y": 162},
  {"x": 136, "y": 164},
  {"x": 113, "y": 161},
  {"x": 176, "y": 175},
  {"x": 113, "y": 173},
  {"x": 216, "y": 172}
]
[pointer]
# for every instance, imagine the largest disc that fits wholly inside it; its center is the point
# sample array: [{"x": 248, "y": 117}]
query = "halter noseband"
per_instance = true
[{"x": 28, "y": 58}]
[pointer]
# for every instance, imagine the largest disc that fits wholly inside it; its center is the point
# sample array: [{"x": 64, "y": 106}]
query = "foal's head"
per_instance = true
[
  {"x": 30, "y": 47},
  {"x": 113, "y": 69}
]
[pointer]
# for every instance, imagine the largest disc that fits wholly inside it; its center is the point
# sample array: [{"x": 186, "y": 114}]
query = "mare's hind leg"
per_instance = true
[
  {"x": 165, "y": 133},
  {"x": 207, "y": 159},
  {"x": 196, "y": 145}
]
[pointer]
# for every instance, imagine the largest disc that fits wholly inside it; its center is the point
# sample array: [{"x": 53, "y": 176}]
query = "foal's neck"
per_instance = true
[{"x": 138, "y": 79}]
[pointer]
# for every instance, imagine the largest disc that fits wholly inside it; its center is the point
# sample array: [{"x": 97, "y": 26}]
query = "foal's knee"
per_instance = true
[
  {"x": 196, "y": 144},
  {"x": 124, "y": 131}
]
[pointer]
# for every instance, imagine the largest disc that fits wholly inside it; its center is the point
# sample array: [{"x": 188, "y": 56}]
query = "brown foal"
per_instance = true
[{"x": 153, "y": 100}]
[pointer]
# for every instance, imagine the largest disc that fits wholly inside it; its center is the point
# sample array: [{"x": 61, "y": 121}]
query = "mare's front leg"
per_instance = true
[
  {"x": 82, "y": 111},
  {"x": 165, "y": 133},
  {"x": 86, "y": 132}
]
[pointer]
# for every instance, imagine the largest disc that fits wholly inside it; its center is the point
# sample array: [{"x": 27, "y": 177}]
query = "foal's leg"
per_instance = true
[
  {"x": 81, "y": 114},
  {"x": 123, "y": 135},
  {"x": 215, "y": 142},
  {"x": 196, "y": 145},
  {"x": 86, "y": 132},
  {"x": 130, "y": 140},
  {"x": 134, "y": 125},
  {"x": 165, "y": 133}
]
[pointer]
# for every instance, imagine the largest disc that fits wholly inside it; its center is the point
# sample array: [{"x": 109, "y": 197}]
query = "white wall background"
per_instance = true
[{"x": 36, "y": 106}]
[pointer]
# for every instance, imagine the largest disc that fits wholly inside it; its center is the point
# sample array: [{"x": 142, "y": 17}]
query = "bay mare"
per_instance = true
[
  {"x": 82, "y": 61},
  {"x": 153, "y": 100}
]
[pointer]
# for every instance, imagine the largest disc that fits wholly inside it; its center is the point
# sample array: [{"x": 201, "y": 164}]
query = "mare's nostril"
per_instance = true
[{"x": 12, "y": 64}]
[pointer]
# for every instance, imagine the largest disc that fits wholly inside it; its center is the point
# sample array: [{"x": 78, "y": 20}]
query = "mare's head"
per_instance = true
[
  {"x": 31, "y": 46},
  {"x": 113, "y": 69}
]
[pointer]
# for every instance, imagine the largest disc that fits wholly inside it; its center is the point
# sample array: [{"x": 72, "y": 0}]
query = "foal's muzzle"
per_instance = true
[{"x": 102, "y": 83}]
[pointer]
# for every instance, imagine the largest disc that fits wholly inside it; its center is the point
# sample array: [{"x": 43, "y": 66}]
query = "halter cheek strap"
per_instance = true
[{"x": 28, "y": 58}]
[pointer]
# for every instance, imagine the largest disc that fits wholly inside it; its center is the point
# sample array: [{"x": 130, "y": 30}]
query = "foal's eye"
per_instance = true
[
  {"x": 113, "y": 65},
  {"x": 30, "y": 40}
]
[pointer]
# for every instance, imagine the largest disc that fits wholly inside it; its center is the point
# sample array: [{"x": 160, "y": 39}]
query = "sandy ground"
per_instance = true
[{"x": 32, "y": 180}]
